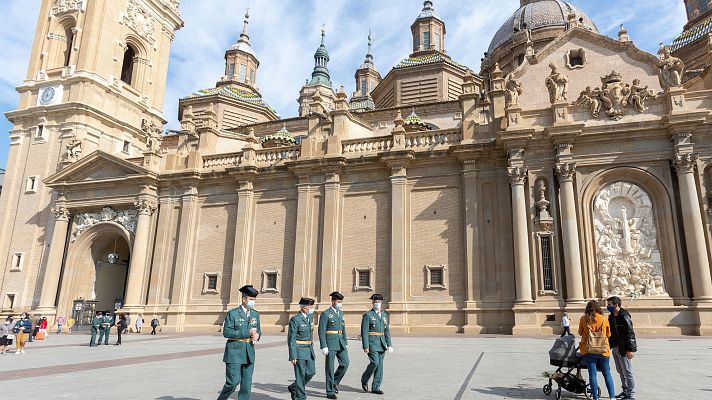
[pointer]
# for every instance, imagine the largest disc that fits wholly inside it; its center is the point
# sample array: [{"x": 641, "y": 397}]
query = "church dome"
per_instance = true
[{"x": 535, "y": 14}]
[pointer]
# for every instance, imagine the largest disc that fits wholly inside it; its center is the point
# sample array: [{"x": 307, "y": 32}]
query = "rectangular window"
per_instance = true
[
  {"x": 213, "y": 282},
  {"x": 435, "y": 277},
  {"x": 703, "y": 6},
  {"x": 252, "y": 76},
  {"x": 416, "y": 42},
  {"x": 364, "y": 88},
  {"x": 230, "y": 70},
  {"x": 126, "y": 147},
  {"x": 32, "y": 183},
  {"x": 426, "y": 40},
  {"x": 546, "y": 262},
  {"x": 363, "y": 279},
  {"x": 270, "y": 281},
  {"x": 40, "y": 132},
  {"x": 18, "y": 260},
  {"x": 436, "y": 40},
  {"x": 9, "y": 301},
  {"x": 241, "y": 73}
]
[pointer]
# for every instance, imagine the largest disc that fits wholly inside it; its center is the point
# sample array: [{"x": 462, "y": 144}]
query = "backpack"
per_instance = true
[{"x": 596, "y": 341}]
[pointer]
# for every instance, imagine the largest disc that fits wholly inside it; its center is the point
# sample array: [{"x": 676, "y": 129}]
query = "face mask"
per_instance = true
[
  {"x": 310, "y": 311},
  {"x": 377, "y": 306},
  {"x": 251, "y": 303},
  {"x": 338, "y": 306},
  {"x": 611, "y": 308}
]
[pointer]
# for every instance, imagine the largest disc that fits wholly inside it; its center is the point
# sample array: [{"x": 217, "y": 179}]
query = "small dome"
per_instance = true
[
  {"x": 534, "y": 14},
  {"x": 279, "y": 139},
  {"x": 243, "y": 47}
]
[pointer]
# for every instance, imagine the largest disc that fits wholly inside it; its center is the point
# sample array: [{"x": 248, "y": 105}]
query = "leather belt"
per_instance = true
[
  {"x": 375, "y": 333},
  {"x": 304, "y": 342},
  {"x": 334, "y": 332},
  {"x": 239, "y": 340}
]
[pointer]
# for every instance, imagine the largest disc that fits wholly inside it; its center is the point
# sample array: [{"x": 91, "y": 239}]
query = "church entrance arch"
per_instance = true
[{"x": 96, "y": 267}]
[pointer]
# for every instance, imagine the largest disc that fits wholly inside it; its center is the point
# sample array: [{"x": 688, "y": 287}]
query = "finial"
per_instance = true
[
  {"x": 398, "y": 121},
  {"x": 244, "y": 36},
  {"x": 369, "y": 41},
  {"x": 323, "y": 32},
  {"x": 428, "y": 5}
]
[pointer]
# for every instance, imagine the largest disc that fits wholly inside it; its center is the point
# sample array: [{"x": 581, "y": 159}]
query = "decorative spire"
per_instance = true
[
  {"x": 368, "y": 61},
  {"x": 323, "y": 33},
  {"x": 244, "y": 36},
  {"x": 320, "y": 75}
]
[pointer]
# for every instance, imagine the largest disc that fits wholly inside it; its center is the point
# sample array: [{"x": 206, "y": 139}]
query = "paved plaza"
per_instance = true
[{"x": 189, "y": 367}]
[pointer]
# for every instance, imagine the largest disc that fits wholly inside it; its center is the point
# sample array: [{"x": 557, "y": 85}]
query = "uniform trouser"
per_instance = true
[
  {"x": 92, "y": 342},
  {"x": 237, "y": 374},
  {"x": 333, "y": 379},
  {"x": 624, "y": 366},
  {"x": 375, "y": 368},
  {"x": 304, "y": 371}
]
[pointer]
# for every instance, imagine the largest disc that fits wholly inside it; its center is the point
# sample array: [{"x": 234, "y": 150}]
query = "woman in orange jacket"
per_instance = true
[{"x": 593, "y": 318}]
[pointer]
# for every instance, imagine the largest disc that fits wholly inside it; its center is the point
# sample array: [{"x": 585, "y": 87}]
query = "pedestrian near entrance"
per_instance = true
[
  {"x": 6, "y": 334},
  {"x": 623, "y": 345},
  {"x": 97, "y": 325},
  {"x": 376, "y": 340},
  {"x": 121, "y": 325},
  {"x": 60, "y": 324},
  {"x": 107, "y": 322},
  {"x": 42, "y": 325},
  {"x": 139, "y": 323},
  {"x": 566, "y": 324},
  {"x": 301, "y": 349},
  {"x": 333, "y": 343},
  {"x": 70, "y": 324},
  {"x": 242, "y": 330},
  {"x": 22, "y": 330},
  {"x": 595, "y": 330},
  {"x": 154, "y": 325}
]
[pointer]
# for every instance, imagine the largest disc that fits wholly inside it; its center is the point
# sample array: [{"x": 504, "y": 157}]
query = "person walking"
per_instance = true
[
  {"x": 60, "y": 323},
  {"x": 139, "y": 323},
  {"x": 566, "y": 324},
  {"x": 623, "y": 345},
  {"x": 6, "y": 334},
  {"x": 42, "y": 325},
  {"x": 121, "y": 325},
  {"x": 70, "y": 324},
  {"x": 128, "y": 323},
  {"x": 595, "y": 330},
  {"x": 376, "y": 339},
  {"x": 154, "y": 325},
  {"x": 301, "y": 348},
  {"x": 242, "y": 329},
  {"x": 22, "y": 330},
  {"x": 34, "y": 331},
  {"x": 97, "y": 325},
  {"x": 333, "y": 343}
]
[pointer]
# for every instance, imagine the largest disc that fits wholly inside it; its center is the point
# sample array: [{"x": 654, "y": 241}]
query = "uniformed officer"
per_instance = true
[
  {"x": 107, "y": 323},
  {"x": 242, "y": 329},
  {"x": 376, "y": 338},
  {"x": 333, "y": 343},
  {"x": 96, "y": 327},
  {"x": 301, "y": 350}
]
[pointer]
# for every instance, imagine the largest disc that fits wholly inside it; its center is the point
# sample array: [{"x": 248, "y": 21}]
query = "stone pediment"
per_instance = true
[
  {"x": 598, "y": 55},
  {"x": 97, "y": 166}
]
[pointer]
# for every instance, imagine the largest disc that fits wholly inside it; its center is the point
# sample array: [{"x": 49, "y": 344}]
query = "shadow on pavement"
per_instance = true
[
  {"x": 175, "y": 398},
  {"x": 515, "y": 392}
]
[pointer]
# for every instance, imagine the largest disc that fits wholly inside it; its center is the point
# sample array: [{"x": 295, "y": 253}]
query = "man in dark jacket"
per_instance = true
[{"x": 623, "y": 346}]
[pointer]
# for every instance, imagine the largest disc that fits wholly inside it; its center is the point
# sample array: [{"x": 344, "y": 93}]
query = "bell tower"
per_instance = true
[{"x": 96, "y": 71}]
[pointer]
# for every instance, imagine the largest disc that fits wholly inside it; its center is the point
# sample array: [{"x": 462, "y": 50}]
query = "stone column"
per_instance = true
[
  {"x": 694, "y": 229},
  {"x": 330, "y": 245},
  {"x": 243, "y": 241},
  {"x": 522, "y": 268},
  {"x": 139, "y": 254},
  {"x": 569, "y": 231},
  {"x": 50, "y": 284},
  {"x": 302, "y": 242},
  {"x": 471, "y": 196},
  {"x": 399, "y": 234}
]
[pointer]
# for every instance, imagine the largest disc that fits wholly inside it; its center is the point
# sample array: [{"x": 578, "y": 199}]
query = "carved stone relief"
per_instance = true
[
  {"x": 126, "y": 218},
  {"x": 138, "y": 19},
  {"x": 63, "y": 6},
  {"x": 74, "y": 150},
  {"x": 628, "y": 258},
  {"x": 614, "y": 96},
  {"x": 174, "y": 5},
  {"x": 671, "y": 68},
  {"x": 557, "y": 84},
  {"x": 154, "y": 135},
  {"x": 513, "y": 89}
]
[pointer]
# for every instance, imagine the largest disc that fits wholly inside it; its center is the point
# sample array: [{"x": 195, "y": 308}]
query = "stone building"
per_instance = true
[{"x": 571, "y": 166}]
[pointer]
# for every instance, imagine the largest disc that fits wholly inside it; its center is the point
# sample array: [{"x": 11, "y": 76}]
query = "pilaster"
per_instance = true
[
  {"x": 50, "y": 284},
  {"x": 185, "y": 254},
  {"x": 244, "y": 234}
]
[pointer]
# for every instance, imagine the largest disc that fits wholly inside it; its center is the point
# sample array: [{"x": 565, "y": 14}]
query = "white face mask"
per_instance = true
[
  {"x": 251, "y": 303},
  {"x": 338, "y": 306},
  {"x": 310, "y": 311},
  {"x": 377, "y": 306}
]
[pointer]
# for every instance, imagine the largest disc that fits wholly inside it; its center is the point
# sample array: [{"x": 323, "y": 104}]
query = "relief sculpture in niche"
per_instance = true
[
  {"x": 126, "y": 218},
  {"x": 627, "y": 253},
  {"x": 614, "y": 96}
]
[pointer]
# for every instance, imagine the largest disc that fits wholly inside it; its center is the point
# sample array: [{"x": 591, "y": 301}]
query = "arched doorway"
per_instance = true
[{"x": 96, "y": 268}]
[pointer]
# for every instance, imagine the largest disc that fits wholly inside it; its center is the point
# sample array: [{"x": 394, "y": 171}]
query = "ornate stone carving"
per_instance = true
[
  {"x": 685, "y": 163},
  {"x": 542, "y": 205},
  {"x": 145, "y": 206},
  {"x": 628, "y": 258},
  {"x": 671, "y": 68},
  {"x": 512, "y": 91},
  {"x": 126, "y": 218},
  {"x": 64, "y": 6},
  {"x": 517, "y": 175},
  {"x": 74, "y": 150},
  {"x": 566, "y": 171},
  {"x": 61, "y": 213},
  {"x": 154, "y": 135},
  {"x": 174, "y": 5},
  {"x": 138, "y": 19},
  {"x": 614, "y": 96},
  {"x": 558, "y": 85}
]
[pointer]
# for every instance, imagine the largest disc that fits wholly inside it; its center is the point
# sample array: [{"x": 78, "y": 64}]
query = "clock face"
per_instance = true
[{"x": 47, "y": 95}]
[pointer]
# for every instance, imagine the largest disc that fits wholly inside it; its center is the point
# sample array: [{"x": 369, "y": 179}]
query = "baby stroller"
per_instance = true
[{"x": 564, "y": 355}]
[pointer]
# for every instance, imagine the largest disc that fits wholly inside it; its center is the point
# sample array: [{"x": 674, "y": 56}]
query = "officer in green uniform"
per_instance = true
[
  {"x": 107, "y": 323},
  {"x": 333, "y": 343},
  {"x": 376, "y": 338},
  {"x": 301, "y": 350},
  {"x": 96, "y": 327},
  {"x": 242, "y": 330}
]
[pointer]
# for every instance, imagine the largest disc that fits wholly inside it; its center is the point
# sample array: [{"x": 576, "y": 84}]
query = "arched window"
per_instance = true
[
  {"x": 69, "y": 34},
  {"x": 128, "y": 65}
]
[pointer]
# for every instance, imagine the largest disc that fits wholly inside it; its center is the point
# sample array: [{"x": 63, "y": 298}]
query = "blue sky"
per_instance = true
[{"x": 285, "y": 34}]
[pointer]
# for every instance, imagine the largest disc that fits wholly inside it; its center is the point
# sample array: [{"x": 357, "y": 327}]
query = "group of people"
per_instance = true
[
  {"x": 242, "y": 330},
  {"x": 103, "y": 321},
  {"x": 21, "y": 331},
  {"x": 602, "y": 337}
]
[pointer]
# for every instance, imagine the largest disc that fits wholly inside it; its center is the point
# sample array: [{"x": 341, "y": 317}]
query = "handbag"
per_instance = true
[
  {"x": 10, "y": 337},
  {"x": 596, "y": 342}
]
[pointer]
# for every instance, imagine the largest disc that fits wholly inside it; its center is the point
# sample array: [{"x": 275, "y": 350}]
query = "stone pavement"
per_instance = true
[{"x": 189, "y": 367}]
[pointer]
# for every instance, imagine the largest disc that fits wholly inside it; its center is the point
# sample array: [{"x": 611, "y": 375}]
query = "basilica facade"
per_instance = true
[{"x": 570, "y": 166}]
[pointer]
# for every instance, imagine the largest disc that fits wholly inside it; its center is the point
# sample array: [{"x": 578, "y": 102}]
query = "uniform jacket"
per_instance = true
[
  {"x": 23, "y": 325},
  {"x": 331, "y": 320},
  {"x": 237, "y": 325},
  {"x": 107, "y": 321},
  {"x": 300, "y": 328},
  {"x": 622, "y": 333},
  {"x": 97, "y": 323},
  {"x": 371, "y": 322}
]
